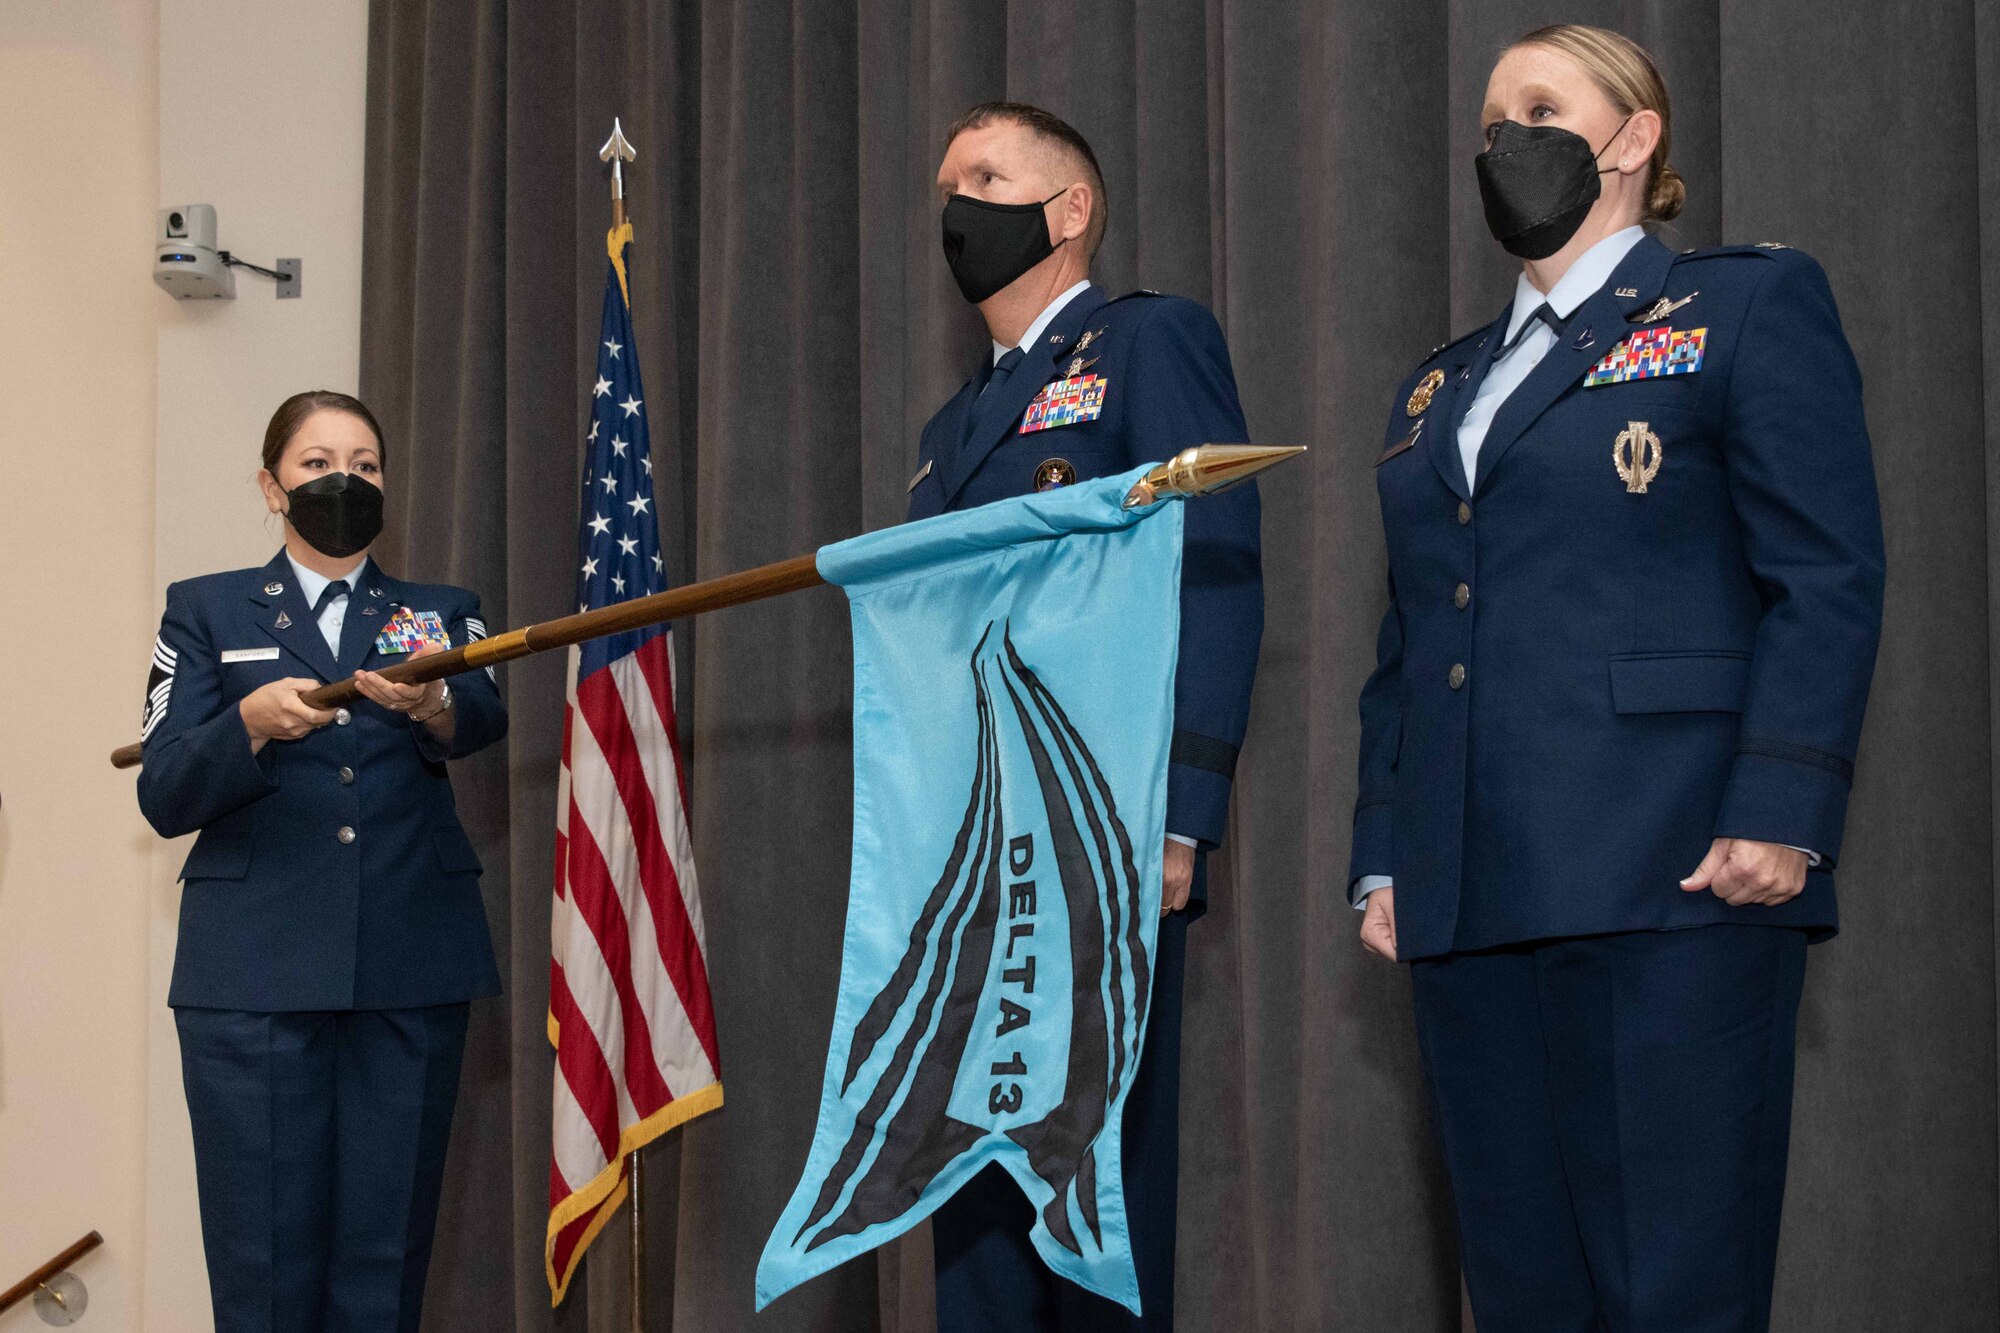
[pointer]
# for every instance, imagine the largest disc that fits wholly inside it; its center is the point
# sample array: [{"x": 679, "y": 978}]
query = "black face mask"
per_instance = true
[
  {"x": 990, "y": 245},
  {"x": 1538, "y": 184},
  {"x": 338, "y": 514}
]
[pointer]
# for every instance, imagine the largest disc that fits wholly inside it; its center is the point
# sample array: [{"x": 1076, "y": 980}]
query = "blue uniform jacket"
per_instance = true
[
  {"x": 1168, "y": 386},
  {"x": 279, "y": 911},
  {"x": 1627, "y": 675}
]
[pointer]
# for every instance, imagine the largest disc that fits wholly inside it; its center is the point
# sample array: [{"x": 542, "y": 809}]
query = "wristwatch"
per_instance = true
[{"x": 444, "y": 702}]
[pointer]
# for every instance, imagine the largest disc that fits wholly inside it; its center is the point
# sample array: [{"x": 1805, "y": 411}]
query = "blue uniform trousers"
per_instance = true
[
  {"x": 989, "y": 1278},
  {"x": 1615, "y": 1114},
  {"x": 319, "y": 1143}
]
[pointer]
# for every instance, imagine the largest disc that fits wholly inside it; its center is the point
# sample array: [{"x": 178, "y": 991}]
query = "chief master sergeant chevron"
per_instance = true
[{"x": 1082, "y": 385}]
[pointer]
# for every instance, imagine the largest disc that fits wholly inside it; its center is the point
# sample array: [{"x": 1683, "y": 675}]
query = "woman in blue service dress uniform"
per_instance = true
[
  {"x": 1636, "y": 570},
  {"x": 331, "y": 927}
]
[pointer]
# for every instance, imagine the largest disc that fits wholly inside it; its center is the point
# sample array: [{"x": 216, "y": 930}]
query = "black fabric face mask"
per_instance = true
[
  {"x": 990, "y": 245},
  {"x": 1538, "y": 183},
  {"x": 338, "y": 514}
]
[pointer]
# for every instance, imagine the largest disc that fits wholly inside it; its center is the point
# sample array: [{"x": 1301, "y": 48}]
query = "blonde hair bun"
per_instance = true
[{"x": 1668, "y": 195}]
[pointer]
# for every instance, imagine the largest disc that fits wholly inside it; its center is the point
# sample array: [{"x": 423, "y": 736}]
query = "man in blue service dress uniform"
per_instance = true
[
  {"x": 1636, "y": 574},
  {"x": 1080, "y": 385}
]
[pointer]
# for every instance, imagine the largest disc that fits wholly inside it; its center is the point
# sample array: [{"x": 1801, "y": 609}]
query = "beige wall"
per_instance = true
[
  {"x": 129, "y": 426},
  {"x": 77, "y": 172}
]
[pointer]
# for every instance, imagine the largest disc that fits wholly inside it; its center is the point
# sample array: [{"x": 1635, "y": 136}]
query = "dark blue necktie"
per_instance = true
[
  {"x": 983, "y": 407},
  {"x": 337, "y": 588},
  {"x": 1543, "y": 314}
]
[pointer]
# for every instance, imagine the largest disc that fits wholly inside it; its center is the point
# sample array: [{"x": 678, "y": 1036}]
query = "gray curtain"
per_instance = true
[{"x": 1303, "y": 166}]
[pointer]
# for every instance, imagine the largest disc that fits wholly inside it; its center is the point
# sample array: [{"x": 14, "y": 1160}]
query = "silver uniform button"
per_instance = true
[
  {"x": 341, "y": 717},
  {"x": 345, "y": 834},
  {"x": 1462, "y": 596},
  {"x": 1457, "y": 676},
  {"x": 1464, "y": 512},
  {"x": 346, "y": 776}
]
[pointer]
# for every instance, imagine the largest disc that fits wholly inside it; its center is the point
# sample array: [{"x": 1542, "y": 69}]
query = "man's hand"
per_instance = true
[
  {"x": 1378, "y": 923},
  {"x": 1744, "y": 873},
  {"x": 1179, "y": 878}
]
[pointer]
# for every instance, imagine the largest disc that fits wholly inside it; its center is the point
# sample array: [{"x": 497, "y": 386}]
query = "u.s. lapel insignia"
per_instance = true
[
  {"x": 1638, "y": 454},
  {"x": 1661, "y": 308},
  {"x": 1420, "y": 397},
  {"x": 1054, "y": 474},
  {"x": 1079, "y": 365},
  {"x": 284, "y": 620},
  {"x": 1626, "y": 293},
  {"x": 274, "y": 589}
]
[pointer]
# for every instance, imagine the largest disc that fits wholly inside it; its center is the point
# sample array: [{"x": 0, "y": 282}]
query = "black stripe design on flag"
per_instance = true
[
  {"x": 159, "y": 688},
  {"x": 1059, "y": 1144},
  {"x": 923, "y": 1126},
  {"x": 1100, "y": 885},
  {"x": 1122, "y": 895}
]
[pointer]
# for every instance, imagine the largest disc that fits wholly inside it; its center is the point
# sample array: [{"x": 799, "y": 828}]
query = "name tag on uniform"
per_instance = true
[
  {"x": 249, "y": 655},
  {"x": 409, "y": 630},
  {"x": 1066, "y": 402},
  {"x": 1649, "y": 354}
]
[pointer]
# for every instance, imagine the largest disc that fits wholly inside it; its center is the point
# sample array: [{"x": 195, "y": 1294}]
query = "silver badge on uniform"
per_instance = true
[{"x": 1638, "y": 453}]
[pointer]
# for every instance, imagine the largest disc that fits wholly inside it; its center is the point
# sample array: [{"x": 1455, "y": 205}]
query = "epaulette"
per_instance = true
[
  {"x": 1142, "y": 291},
  {"x": 1762, "y": 249},
  {"x": 1446, "y": 346}
]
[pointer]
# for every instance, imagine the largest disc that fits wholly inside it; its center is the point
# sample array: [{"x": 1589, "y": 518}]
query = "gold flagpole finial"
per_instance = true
[
  {"x": 1206, "y": 469},
  {"x": 617, "y": 151}
]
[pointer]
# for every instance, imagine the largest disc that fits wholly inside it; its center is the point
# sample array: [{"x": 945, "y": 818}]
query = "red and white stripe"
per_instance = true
[{"x": 629, "y": 1009}]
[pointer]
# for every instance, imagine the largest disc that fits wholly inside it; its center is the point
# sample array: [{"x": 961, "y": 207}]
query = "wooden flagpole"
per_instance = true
[{"x": 1200, "y": 471}]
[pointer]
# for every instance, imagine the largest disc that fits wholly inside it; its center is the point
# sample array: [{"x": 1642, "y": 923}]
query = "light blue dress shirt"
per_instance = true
[
  {"x": 334, "y": 616},
  {"x": 1042, "y": 321}
]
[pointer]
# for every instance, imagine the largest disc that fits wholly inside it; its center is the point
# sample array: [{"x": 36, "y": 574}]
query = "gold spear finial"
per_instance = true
[{"x": 1206, "y": 469}]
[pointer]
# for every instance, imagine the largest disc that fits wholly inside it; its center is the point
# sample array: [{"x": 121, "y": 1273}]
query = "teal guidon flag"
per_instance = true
[{"x": 1013, "y": 709}]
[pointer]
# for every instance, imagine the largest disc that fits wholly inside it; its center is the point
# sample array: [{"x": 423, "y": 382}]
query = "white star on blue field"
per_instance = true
[{"x": 618, "y": 536}]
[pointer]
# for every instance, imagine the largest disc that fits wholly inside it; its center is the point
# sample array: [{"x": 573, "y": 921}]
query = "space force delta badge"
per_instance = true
[
  {"x": 409, "y": 630},
  {"x": 1648, "y": 354},
  {"x": 1066, "y": 402}
]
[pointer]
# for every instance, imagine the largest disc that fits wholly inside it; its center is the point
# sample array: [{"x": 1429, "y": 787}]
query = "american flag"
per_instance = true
[{"x": 629, "y": 1010}]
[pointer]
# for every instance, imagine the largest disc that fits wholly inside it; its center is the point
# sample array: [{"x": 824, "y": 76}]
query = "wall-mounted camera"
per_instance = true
[{"x": 186, "y": 263}]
